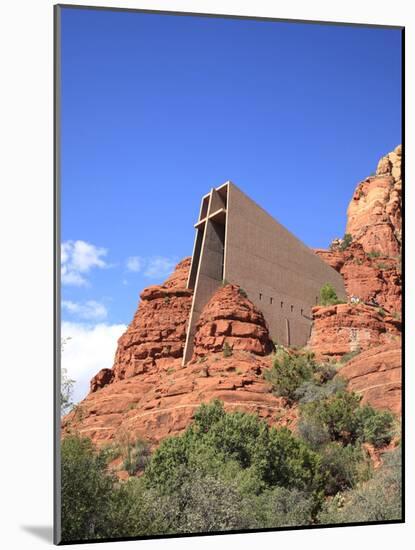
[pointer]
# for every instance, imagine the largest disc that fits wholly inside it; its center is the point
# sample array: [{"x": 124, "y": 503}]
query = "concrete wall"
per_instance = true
[
  {"x": 206, "y": 271},
  {"x": 280, "y": 274}
]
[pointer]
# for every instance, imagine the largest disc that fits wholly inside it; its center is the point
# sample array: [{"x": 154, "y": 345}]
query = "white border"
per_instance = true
[{"x": 26, "y": 289}]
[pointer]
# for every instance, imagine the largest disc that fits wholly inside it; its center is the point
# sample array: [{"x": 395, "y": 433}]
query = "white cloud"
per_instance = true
[
  {"x": 88, "y": 349},
  {"x": 77, "y": 259},
  {"x": 90, "y": 310},
  {"x": 134, "y": 263},
  {"x": 159, "y": 266}
]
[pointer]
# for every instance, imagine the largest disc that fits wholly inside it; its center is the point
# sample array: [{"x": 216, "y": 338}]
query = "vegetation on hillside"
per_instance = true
[
  {"x": 231, "y": 471},
  {"x": 328, "y": 296}
]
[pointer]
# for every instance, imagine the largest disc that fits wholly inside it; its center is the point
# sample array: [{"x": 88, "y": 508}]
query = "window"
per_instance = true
[
  {"x": 282, "y": 304},
  {"x": 292, "y": 309},
  {"x": 302, "y": 311},
  {"x": 260, "y": 296},
  {"x": 271, "y": 300}
]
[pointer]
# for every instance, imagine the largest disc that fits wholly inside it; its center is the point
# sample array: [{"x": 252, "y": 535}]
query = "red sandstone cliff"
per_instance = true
[
  {"x": 374, "y": 216},
  {"x": 157, "y": 332},
  {"x": 373, "y": 279},
  {"x": 371, "y": 270}
]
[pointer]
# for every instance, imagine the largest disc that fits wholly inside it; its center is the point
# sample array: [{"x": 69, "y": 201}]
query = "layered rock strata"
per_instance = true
[{"x": 376, "y": 374}]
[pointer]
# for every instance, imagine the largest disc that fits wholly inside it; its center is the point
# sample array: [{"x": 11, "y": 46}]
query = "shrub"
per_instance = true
[
  {"x": 86, "y": 491},
  {"x": 281, "y": 507},
  {"x": 136, "y": 511},
  {"x": 289, "y": 372},
  {"x": 377, "y": 426},
  {"x": 206, "y": 503},
  {"x": 325, "y": 372},
  {"x": 338, "y": 414},
  {"x": 226, "y": 350},
  {"x": 314, "y": 433},
  {"x": 347, "y": 356},
  {"x": 379, "y": 499},
  {"x": 311, "y": 390},
  {"x": 237, "y": 446},
  {"x": 328, "y": 296},
  {"x": 344, "y": 467},
  {"x": 138, "y": 456},
  {"x": 373, "y": 254},
  {"x": 346, "y": 241},
  {"x": 347, "y": 422},
  {"x": 243, "y": 292}
]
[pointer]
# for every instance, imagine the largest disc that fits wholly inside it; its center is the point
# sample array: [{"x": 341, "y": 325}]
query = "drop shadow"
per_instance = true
[{"x": 43, "y": 532}]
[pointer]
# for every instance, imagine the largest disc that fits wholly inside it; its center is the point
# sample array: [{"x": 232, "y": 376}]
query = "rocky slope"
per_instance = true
[
  {"x": 152, "y": 396},
  {"x": 371, "y": 270},
  {"x": 345, "y": 328},
  {"x": 377, "y": 375},
  {"x": 373, "y": 279}
]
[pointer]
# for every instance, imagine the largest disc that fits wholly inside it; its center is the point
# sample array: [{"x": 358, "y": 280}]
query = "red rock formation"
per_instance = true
[
  {"x": 374, "y": 213},
  {"x": 104, "y": 377},
  {"x": 157, "y": 332},
  {"x": 371, "y": 279},
  {"x": 157, "y": 404},
  {"x": 376, "y": 374},
  {"x": 151, "y": 395},
  {"x": 229, "y": 317},
  {"x": 345, "y": 328}
]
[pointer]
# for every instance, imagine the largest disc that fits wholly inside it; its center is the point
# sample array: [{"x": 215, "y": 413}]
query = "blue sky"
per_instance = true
[{"x": 158, "y": 109}]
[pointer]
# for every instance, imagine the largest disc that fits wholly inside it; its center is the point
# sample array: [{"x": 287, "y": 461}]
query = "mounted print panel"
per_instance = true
[{"x": 229, "y": 242}]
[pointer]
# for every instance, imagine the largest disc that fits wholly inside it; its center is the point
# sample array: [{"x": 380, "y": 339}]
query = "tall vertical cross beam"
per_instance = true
[{"x": 207, "y": 266}]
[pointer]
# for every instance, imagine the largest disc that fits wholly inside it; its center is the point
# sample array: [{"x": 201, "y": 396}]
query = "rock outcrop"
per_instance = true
[
  {"x": 374, "y": 216},
  {"x": 157, "y": 404},
  {"x": 376, "y": 374},
  {"x": 371, "y": 270},
  {"x": 344, "y": 328},
  {"x": 151, "y": 395},
  {"x": 230, "y": 318},
  {"x": 371, "y": 278},
  {"x": 157, "y": 332}
]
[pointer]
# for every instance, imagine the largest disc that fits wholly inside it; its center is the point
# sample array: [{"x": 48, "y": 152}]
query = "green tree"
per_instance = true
[
  {"x": 289, "y": 372},
  {"x": 328, "y": 296},
  {"x": 378, "y": 426},
  {"x": 281, "y": 507},
  {"x": 236, "y": 446},
  {"x": 379, "y": 499},
  {"x": 338, "y": 414},
  {"x": 86, "y": 491},
  {"x": 346, "y": 421},
  {"x": 344, "y": 467}
]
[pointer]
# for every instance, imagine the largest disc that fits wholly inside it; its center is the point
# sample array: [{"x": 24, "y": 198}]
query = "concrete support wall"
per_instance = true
[{"x": 206, "y": 273}]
